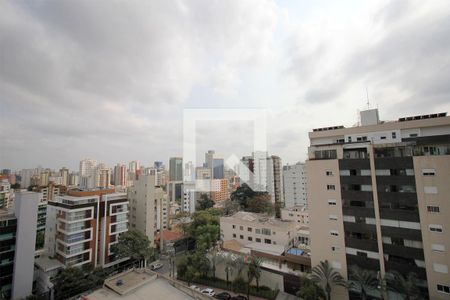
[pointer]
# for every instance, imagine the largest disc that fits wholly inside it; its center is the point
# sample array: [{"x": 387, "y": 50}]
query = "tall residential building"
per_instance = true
[
  {"x": 378, "y": 198},
  {"x": 6, "y": 199},
  {"x": 120, "y": 175},
  {"x": 148, "y": 206},
  {"x": 83, "y": 225},
  {"x": 17, "y": 238},
  {"x": 133, "y": 166},
  {"x": 26, "y": 175},
  {"x": 219, "y": 190},
  {"x": 294, "y": 181},
  {"x": 64, "y": 173},
  {"x": 74, "y": 179},
  {"x": 275, "y": 179},
  {"x": 88, "y": 174},
  {"x": 176, "y": 169},
  {"x": 209, "y": 160},
  {"x": 104, "y": 177},
  {"x": 260, "y": 170}
]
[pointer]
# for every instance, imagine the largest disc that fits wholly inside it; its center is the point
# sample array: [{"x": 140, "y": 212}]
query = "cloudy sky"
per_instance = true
[{"x": 110, "y": 79}]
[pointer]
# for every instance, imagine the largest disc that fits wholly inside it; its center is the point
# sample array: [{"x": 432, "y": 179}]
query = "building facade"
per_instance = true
[
  {"x": 294, "y": 182},
  {"x": 378, "y": 198},
  {"x": 83, "y": 225}
]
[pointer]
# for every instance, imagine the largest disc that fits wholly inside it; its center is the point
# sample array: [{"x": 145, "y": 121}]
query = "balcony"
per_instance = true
[{"x": 407, "y": 252}]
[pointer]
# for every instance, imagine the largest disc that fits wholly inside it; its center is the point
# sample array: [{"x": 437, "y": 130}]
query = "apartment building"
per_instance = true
[
  {"x": 148, "y": 207},
  {"x": 83, "y": 225},
  {"x": 219, "y": 190},
  {"x": 17, "y": 241},
  {"x": 294, "y": 183},
  {"x": 298, "y": 214},
  {"x": 247, "y": 228},
  {"x": 378, "y": 198},
  {"x": 6, "y": 199}
]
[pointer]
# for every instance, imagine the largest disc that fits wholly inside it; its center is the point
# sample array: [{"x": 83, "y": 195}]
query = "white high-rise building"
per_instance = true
[
  {"x": 120, "y": 175},
  {"x": 294, "y": 179},
  {"x": 260, "y": 170},
  {"x": 26, "y": 175},
  {"x": 88, "y": 171}
]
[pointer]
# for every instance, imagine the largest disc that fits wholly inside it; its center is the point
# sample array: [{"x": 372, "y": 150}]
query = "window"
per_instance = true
[
  {"x": 258, "y": 231},
  {"x": 438, "y": 247},
  {"x": 249, "y": 229},
  {"x": 443, "y": 288},
  {"x": 241, "y": 227},
  {"x": 234, "y": 226},
  {"x": 267, "y": 241},
  {"x": 428, "y": 172},
  {"x": 258, "y": 240},
  {"x": 360, "y": 253},
  {"x": 383, "y": 137},
  {"x": 430, "y": 190},
  {"x": 265, "y": 231},
  {"x": 241, "y": 237},
  {"x": 433, "y": 209},
  {"x": 333, "y": 217},
  {"x": 331, "y": 202},
  {"x": 274, "y": 242},
  {"x": 334, "y": 248},
  {"x": 435, "y": 228},
  {"x": 234, "y": 235},
  {"x": 440, "y": 268},
  {"x": 250, "y": 238},
  {"x": 334, "y": 232},
  {"x": 394, "y": 135},
  {"x": 331, "y": 187},
  {"x": 329, "y": 173}
]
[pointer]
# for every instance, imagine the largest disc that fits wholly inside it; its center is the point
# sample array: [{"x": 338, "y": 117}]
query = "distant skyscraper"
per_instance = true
[
  {"x": 158, "y": 165},
  {"x": 64, "y": 173},
  {"x": 88, "y": 170},
  {"x": 294, "y": 181},
  {"x": 218, "y": 168},
  {"x": 176, "y": 169},
  {"x": 133, "y": 166},
  {"x": 26, "y": 175},
  {"x": 120, "y": 175}
]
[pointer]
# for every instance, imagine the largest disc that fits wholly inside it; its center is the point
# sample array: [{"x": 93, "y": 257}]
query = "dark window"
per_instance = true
[
  {"x": 249, "y": 229},
  {"x": 443, "y": 288},
  {"x": 359, "y": 253},
  {"x": 394, "y": 135},
  {"x": 433, "y": 209},
  {"x": 250, "y": 238},
  {"x": 267, "y": 241},
  {"x": 234, "y": 235},
  {"x": 241, "y": 237},
  {"x": 258, "y": 240}
]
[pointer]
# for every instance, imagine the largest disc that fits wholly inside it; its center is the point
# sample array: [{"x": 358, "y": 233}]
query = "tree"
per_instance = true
[
  {"x": 230, "y": 264},
  {"x": 326, "y": 277},
  {"x": 204, "y": 202},
  {"x": 406, "y": 286},
  {"x": 309, "y": 290},
  {"x": 230, "y": 207},
  {"x": 15, "y": 186},
  {"x": 255, "y": 268},
  {"x": 363, "y": 280},
  {"x": 71, "y": 281},
  {"x": 260, "y": 204},
  {"x": 134, "y": 244},
  {"x": 214, "y": 258}
]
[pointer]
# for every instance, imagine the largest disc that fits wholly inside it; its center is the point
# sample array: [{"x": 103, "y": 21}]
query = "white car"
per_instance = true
[
  {"x": 156, "y": 266},
  {"x": 194, "y": 287},
  {"x": 208, "y": 291}
]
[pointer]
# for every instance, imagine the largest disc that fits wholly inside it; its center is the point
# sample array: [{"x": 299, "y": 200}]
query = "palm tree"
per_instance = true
[
  {"x": 255, "y": 266},
  {"x": 363, "y": 280},
  {"x": 406, "y": 286},
  {"x": 230, "y": 264},
  {"x": 309, "y": 290},
  {"x": 326, "y": 277}
]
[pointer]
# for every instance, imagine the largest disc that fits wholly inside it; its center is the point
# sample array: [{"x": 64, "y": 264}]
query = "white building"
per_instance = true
[
  {"x": 5, "y": 194},
  {"x": 88, "y": 171},
  {"x": 148, "y": 206},
  {"x": 294, "y": 179}
]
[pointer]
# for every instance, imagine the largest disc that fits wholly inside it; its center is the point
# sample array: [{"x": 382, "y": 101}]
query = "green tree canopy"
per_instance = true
[
  {"x": 133, "y": 244},
  {"x": 204, "y": 202}
]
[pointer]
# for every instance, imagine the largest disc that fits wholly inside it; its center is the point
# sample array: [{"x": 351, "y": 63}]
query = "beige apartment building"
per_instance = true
[
  {"x": 148, "y": 207},
  {"x": 378, "y": 197},
  {"x": 247, "y": 228}
]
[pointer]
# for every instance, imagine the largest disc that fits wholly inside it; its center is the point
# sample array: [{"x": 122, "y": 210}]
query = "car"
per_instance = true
[
  {"x": 156, "y": 266},
  {"x": 208, "y": 291},
  {"x": 223, "y": 296},
  {"x": 239, "y": 297},
  {"x": 194, "y": 287}
]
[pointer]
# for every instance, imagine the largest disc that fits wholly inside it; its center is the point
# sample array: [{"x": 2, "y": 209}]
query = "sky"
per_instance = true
[{"x": 111, "y": 80}]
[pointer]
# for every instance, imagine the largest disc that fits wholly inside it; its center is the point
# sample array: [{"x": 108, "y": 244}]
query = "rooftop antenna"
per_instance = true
[{"x": 367, "y": 95}]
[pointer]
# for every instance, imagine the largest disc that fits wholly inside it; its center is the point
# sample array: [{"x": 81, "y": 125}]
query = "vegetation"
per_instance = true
[
  {"x": 73, "y": 280},
  {"x": 362, "y": 280},
  {"x": 205, "y": 228},
  {"x": 406, "y": 286},
  {"x": 326, "y": 277},
  {"x": 230, "y": 207},
  {"x": 309, "y": 290},
  {"x": 135, "y": 245},
  {"x": 204, "y": 202},
  {"x": 15, "y": 186},
  {"x": 251, "y": 201}
]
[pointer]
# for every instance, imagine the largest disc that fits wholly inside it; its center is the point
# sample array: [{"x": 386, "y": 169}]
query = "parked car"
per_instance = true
[
  {"x": 208, "y": 291},
  {"x": 239, "y": 297},
  {"x": 194, "y": 287},
  {"x": 156, "y": 266},
  {"x": 223, "y": 296}
]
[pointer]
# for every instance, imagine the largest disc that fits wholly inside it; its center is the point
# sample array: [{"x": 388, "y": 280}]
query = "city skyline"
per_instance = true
[{"x": 83, "y": 87}]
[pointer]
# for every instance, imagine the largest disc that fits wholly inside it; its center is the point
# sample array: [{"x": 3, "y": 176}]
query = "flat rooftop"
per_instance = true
[{"x": 137, "y": 285}]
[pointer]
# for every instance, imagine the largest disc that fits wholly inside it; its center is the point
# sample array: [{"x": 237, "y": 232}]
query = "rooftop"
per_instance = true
[
  {"x": 137, "y": 285},
  {"x": 48, "y": 264},
  {"x": 262, "y": 219}
]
